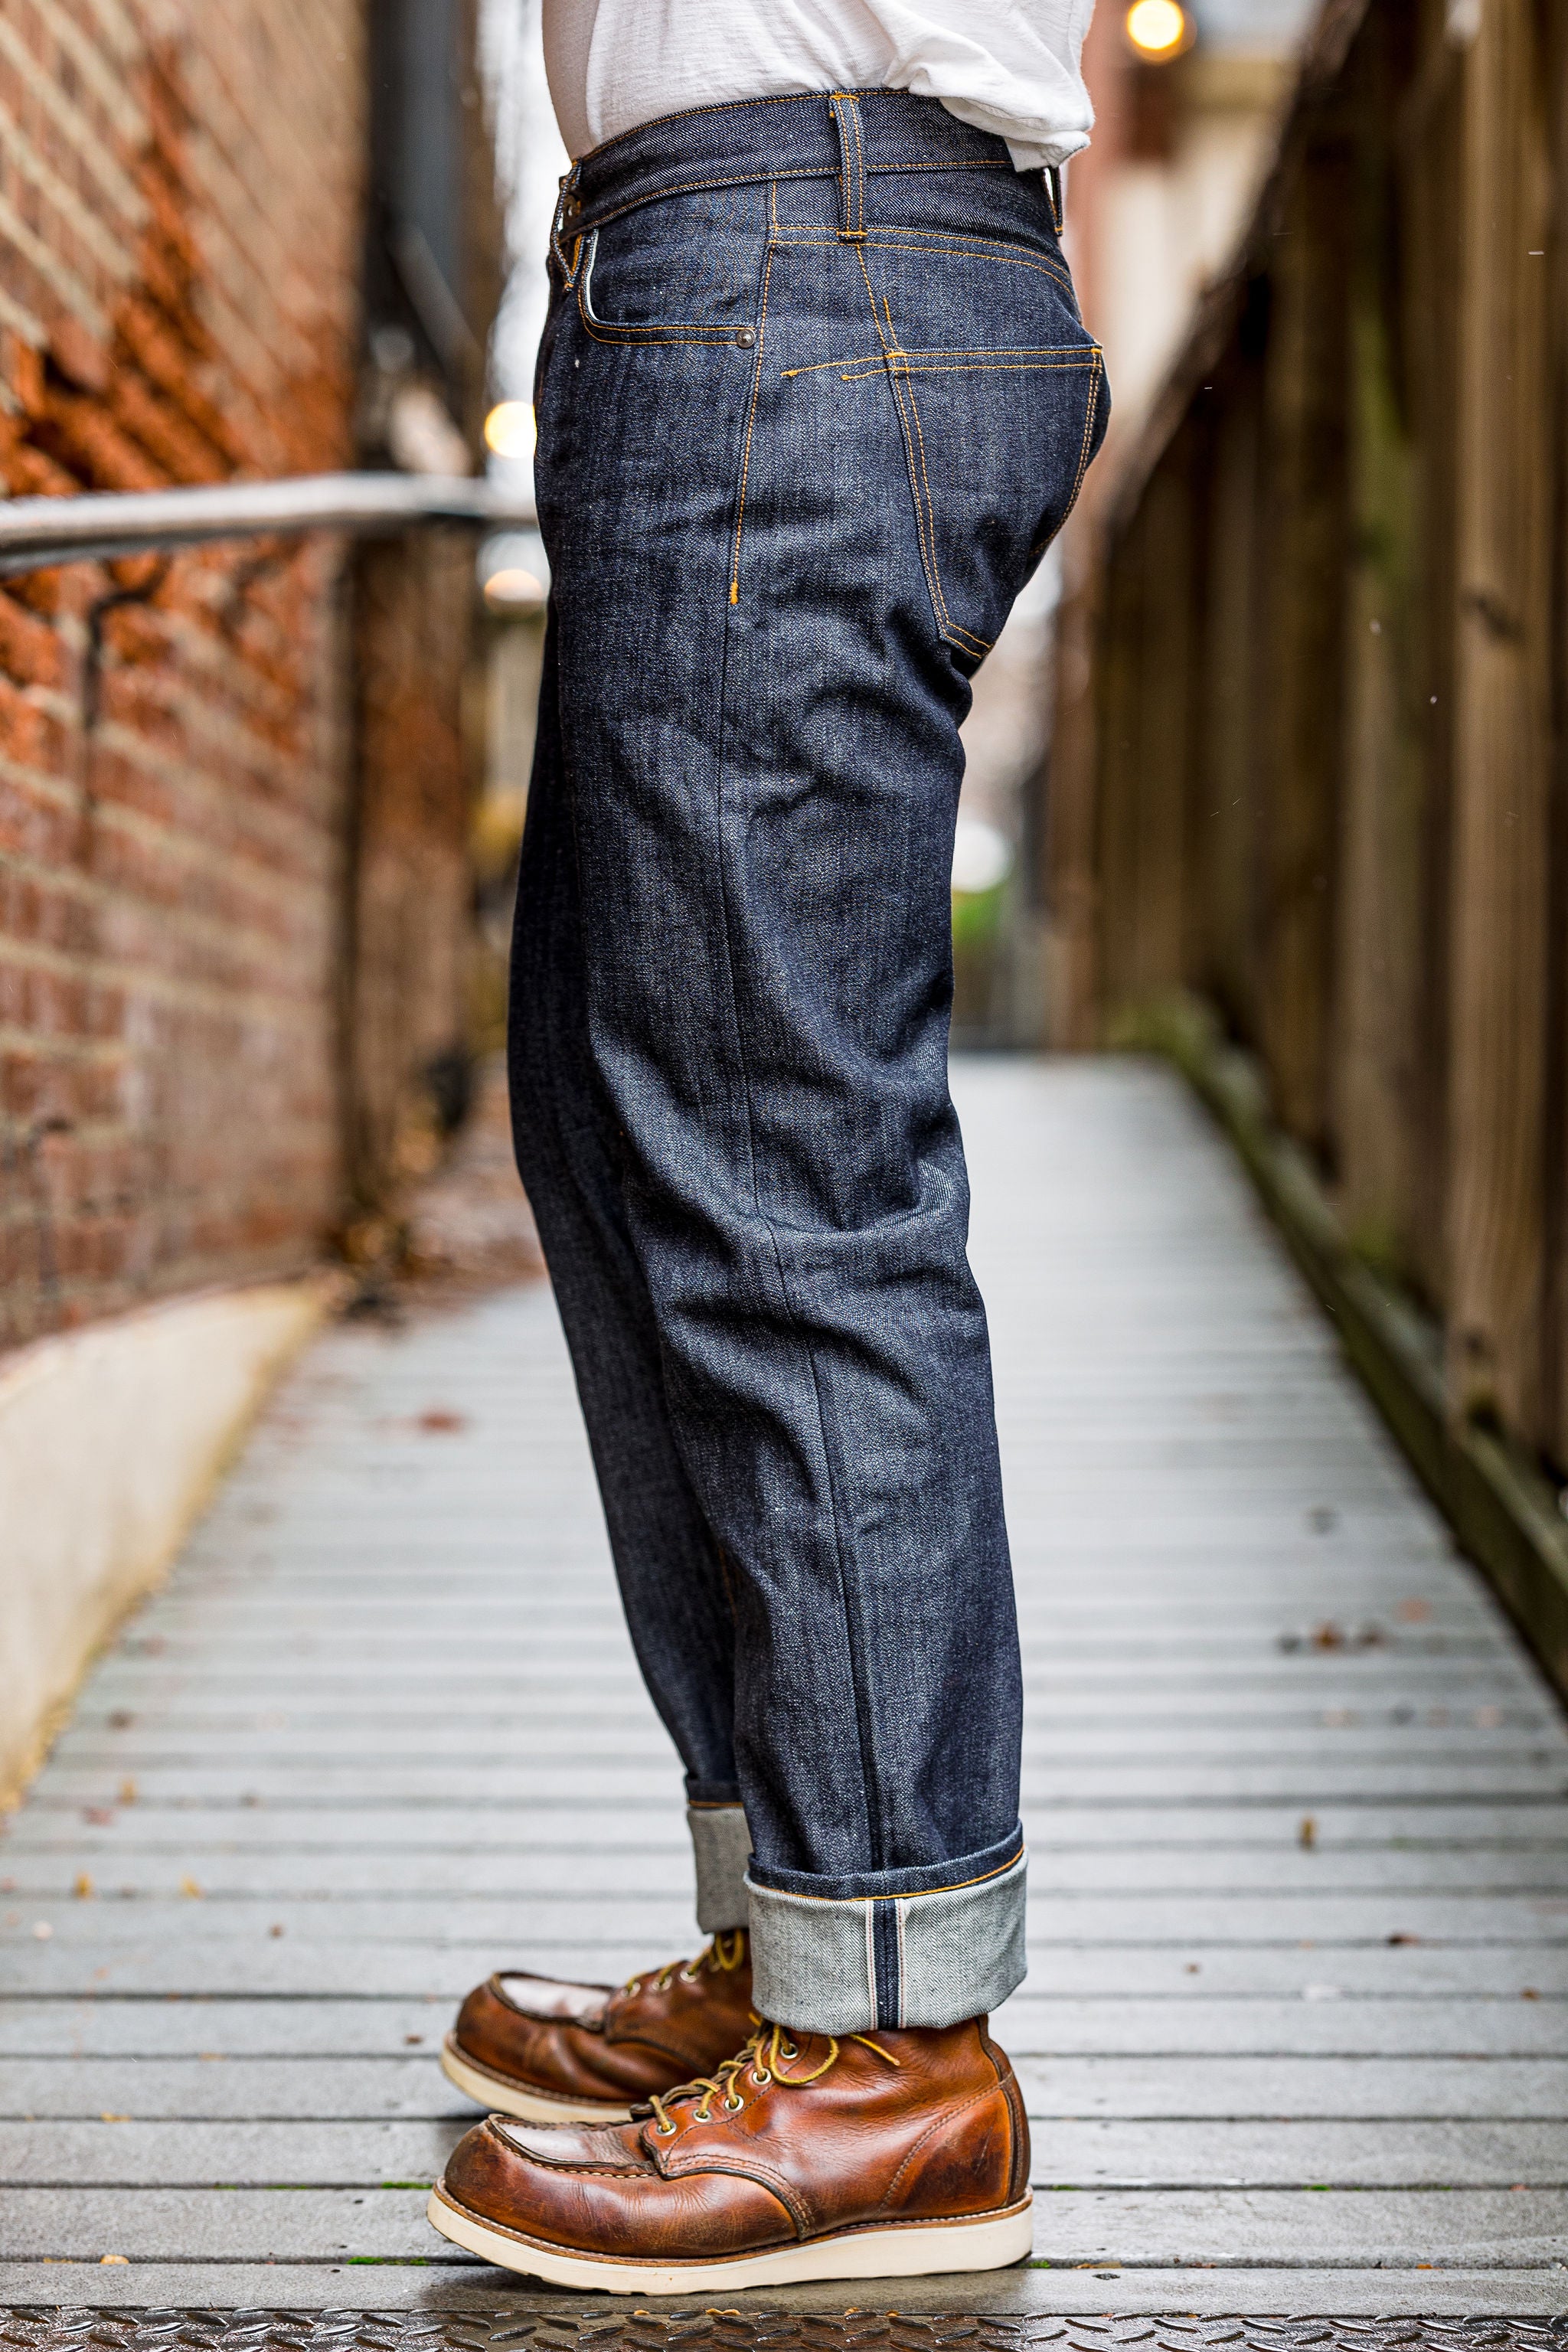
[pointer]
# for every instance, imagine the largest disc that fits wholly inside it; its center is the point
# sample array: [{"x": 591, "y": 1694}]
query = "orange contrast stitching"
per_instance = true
[
  {"x": 928, "y": 561},
  {"x": 954, "y": 628},
  {"x": 1089, "y": 416},
  {"x": 854, "y": 191},
  {"x": 925, "y": 524},
  {"x": 991, "y": 250},
  {"x": 981, "y": 367}
]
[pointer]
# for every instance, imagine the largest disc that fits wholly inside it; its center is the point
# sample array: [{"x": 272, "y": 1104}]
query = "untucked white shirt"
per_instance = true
[{"x": 1010, "y": 66}]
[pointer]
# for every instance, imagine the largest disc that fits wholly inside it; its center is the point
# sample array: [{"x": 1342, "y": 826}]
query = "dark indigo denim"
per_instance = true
[{"x": 813, "y": 395}]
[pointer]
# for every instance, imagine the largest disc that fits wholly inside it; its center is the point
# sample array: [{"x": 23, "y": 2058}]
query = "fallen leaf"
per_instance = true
[
  {"x": 113, "y": 2258},
  {"x": 1306, "y": 1835},
  {"x": 189, "y": 1886},
  {"x": 440, "y": 1418},
  {"x": 83, "y": 1884},
  {"x": 106, "y": 2117},
  {"x": 411, "y": 2038},
  {"x": 127, "y": 1792}
]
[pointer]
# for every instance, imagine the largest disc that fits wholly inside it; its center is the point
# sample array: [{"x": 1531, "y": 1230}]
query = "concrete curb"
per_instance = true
[{"x": 112, "y": 1439}]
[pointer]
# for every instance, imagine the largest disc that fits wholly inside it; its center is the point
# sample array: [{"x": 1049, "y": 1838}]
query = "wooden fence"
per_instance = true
[{"x": 1309, "y": 747}]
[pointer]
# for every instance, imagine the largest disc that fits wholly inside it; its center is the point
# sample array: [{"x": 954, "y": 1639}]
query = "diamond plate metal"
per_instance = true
[{"x": 86, "y": 2329}]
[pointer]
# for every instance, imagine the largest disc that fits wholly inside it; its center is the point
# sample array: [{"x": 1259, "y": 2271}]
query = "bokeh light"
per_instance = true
[
  {"x": 1158, "y": 28},
  {"x": 508, "y": 427}
]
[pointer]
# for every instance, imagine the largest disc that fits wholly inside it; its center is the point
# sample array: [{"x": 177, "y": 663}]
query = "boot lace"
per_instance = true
[
  {"x": 722, "y": 1956},
  {"x": 768, "y": 2054}
]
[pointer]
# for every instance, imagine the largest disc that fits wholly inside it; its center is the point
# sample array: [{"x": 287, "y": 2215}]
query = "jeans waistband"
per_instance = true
[{"x": 791, "y": 138}]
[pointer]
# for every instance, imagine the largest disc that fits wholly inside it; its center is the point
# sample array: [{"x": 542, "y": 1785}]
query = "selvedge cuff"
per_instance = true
[
  {"x": 721, "y": 1844},
  {"x": 848, "y": 1964}
]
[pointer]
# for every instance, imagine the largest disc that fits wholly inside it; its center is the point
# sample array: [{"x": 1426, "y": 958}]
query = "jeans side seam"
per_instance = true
[
  {"x": 870, "y": 1778},
  {"x": 751, "y": 426}
]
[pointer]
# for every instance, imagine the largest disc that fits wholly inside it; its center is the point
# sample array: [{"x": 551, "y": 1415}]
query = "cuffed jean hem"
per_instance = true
[
  {"x": 721, "y": 1843},
  {"x": 846, "y": 1965}
]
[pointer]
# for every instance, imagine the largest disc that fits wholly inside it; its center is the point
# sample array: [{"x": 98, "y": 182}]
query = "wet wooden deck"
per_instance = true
[{"x": 1296, "y": 2034}]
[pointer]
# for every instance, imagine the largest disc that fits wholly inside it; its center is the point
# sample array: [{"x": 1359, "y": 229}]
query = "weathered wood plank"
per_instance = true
[
  {"x": 429, "y": 2284},
  {"x": 302, "y": 2153},
  {"x": 1259, "y": 2085},
  {"x": 1210, "y": 2002},
  {"x": 1519, "y": 2229}
]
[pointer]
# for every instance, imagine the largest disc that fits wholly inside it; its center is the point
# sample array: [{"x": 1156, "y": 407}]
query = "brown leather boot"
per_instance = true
[
  {"x": 881, "y": 2155},
  {"x": 559, "y": 2052}
]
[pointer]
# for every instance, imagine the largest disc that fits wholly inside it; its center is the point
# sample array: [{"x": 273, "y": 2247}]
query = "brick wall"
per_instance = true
[{"x": 180, "y": 218}]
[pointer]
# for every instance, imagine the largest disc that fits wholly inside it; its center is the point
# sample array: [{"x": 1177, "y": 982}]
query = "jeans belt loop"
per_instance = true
[
  {"x": 567, "y": 207},
  {"x": 846, "y": 108}
]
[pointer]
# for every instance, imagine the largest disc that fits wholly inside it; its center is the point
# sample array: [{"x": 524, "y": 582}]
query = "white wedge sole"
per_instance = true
[
  {"x": 901, "y": 2250},
  {"x": 504, "y": 2098}
]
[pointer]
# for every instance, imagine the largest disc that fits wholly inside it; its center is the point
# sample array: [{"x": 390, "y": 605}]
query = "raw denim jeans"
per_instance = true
[{"x": 813, "y": 396}]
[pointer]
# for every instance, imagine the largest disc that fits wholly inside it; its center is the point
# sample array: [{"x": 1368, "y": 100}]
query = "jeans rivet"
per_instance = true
[{"x": 745, "y": 339}]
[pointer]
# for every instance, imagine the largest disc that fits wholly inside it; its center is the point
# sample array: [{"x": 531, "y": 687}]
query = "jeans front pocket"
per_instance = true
[{"x": 682, "y": 269}]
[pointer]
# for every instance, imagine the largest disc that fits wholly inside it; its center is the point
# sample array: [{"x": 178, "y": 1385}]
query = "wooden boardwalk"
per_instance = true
[{"x": 1296, "y": 2034}]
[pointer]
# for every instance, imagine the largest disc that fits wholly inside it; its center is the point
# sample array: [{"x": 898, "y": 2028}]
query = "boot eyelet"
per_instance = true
[
  {"x": 689, "y": 1976},
  {"x": 733, "y": 2106},
  {"x": 634, "y": 1987},
  {"x": 702, "y": 2115},
  {"x": 760, "y": 2077},
  {"x": 790, "y": 2050},
  {"x": 666, "y": 2131}
]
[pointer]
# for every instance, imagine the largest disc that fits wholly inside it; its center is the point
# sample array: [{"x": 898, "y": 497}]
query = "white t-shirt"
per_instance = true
[{"x": 1007, "y": 66}]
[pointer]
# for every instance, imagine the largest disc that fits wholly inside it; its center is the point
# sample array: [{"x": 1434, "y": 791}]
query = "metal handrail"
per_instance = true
[{"x": 36, "y": 533}]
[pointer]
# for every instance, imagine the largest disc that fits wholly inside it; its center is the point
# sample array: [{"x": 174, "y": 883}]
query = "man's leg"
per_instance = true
[
  {"x": 792, "y": 470},
  {"x": 766, "y": 764},
  {"x": 526, "y": 2045}
]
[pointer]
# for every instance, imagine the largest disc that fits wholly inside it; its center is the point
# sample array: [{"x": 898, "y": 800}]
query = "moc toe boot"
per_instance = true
[
  {"x": 553, "y": 2053},
  {"x": 881, "y": 2155}
]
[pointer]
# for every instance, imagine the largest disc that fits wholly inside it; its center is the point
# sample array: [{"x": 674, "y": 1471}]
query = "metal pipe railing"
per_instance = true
[{"x": 36, "y": 533}]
